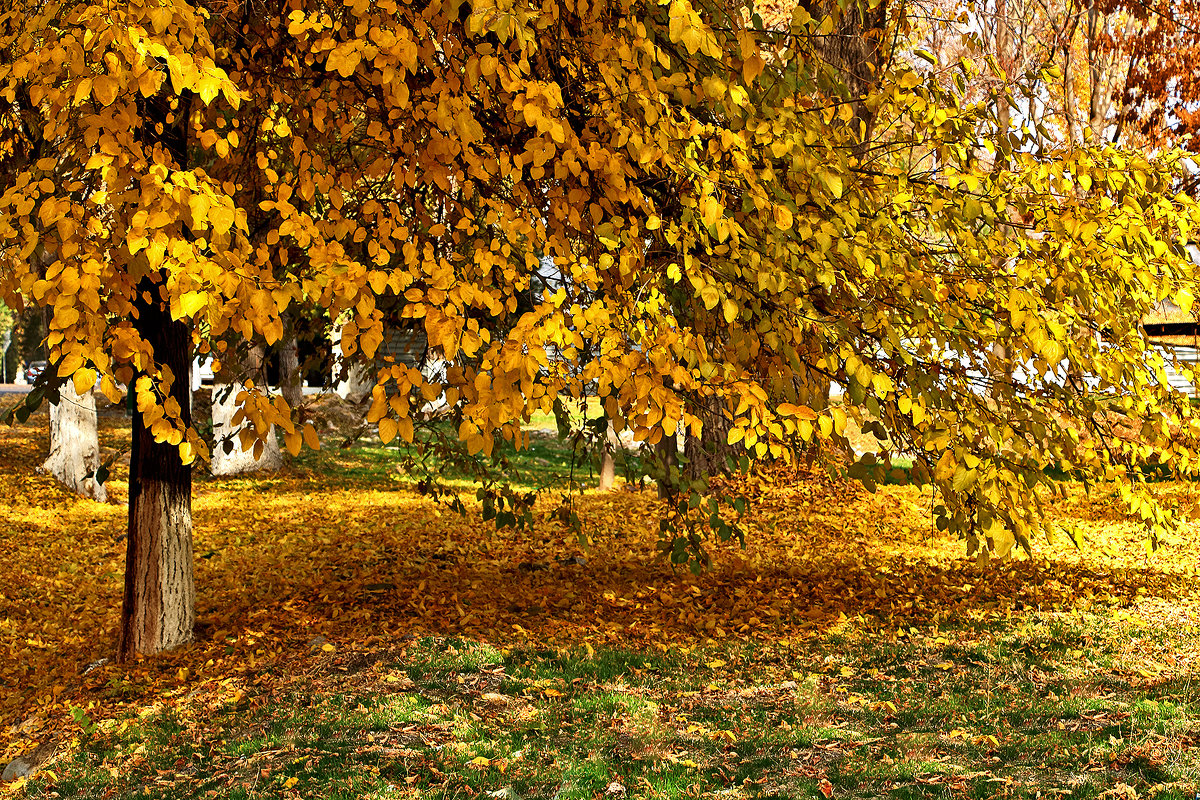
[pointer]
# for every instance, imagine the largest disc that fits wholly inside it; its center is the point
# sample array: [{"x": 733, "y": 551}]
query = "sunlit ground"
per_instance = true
[{"x": 847, "y": 617}]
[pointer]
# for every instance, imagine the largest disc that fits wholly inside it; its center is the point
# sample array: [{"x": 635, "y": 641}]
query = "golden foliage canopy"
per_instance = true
[{"x": 721, "y": 234}]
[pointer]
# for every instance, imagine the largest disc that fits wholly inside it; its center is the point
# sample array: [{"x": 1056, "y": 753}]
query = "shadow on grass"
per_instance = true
[{"x": 342, "y": 552}]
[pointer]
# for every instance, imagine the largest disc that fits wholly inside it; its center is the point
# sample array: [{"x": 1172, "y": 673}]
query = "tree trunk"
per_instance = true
[
  {"x": 608, "y": 460},
  {"x": 74, "y": 446},
  {"x": 228, "y": 457},
  {"x": 291, "y": 382},
  {"x": 351, "y": 381},
  {"x": 233, "y": 460},
  {"x": 666, "y": 450},
  {"x": 857, "y": 48},
  {"x": 358, "y": 384},
  {"x": 708, "y": 452},
  {"x": 158, "y": 612}
]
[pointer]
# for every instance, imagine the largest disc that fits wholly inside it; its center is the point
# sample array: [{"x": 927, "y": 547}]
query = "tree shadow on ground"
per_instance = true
[{"x": 285, "y": 560}]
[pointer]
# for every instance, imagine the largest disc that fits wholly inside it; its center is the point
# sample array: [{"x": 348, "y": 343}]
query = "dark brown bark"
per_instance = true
[
  {"x": 158, "y": 608},
  {"x": 710, "y": 452},
  {"x": 290, "y": 379},
  {"x": 857, "y": 48},
  {"x": 666, "y": 450}
]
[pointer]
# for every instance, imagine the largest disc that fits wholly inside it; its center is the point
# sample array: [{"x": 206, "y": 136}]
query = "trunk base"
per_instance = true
[{"x": 160, "y": 592}]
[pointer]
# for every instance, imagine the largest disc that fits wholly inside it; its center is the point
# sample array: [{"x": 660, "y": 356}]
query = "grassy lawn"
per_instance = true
[
  {"x": 546, "y": 461},
  {"x": 1055, "y": 705},
  {"x": 357, "y": 641}
]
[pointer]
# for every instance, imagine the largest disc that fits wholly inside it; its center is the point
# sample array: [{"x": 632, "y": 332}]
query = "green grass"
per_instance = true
[
  {"x": 545, "y": 462},
  {"x": 1022, "y": 711}
]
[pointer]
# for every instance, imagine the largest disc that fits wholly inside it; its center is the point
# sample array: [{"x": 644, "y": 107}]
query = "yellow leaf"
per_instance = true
[
  {"x": 160, "y": 18},
  {"x": 752, "y": 67},
  {"x": 945, "y": 466},
  {"x": 344, "y": 59},
  {"x": 83, "y": 90},
  {"x": 290, "y": 782},
  {"x": 199, "y": 205},
  {"x": 730, "y": 309},
  {"x": 310, "y": 437},
  {"x": 208, "y": 89},
  {"x": 191, "y": 302},
  {"x": 783, "y": 217},
  {"x": 222, "y": 218},
  {"x": 1184, "y": 299},
  {"x": 69, "y": 363},
  {"x": 792, "y": 410},
  {"x": 149, "y": 82},
  {"x": 104, "y": 90},
  {"x": 387, "y": 429},
  {"x": 406, "y": 429},
  {"x": 84, "y": 379}
]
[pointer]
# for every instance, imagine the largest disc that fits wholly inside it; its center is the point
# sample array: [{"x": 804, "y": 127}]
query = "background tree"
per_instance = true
[
  {"x": 1156, "y": 44},
  {"x": 238, "y": 446}
]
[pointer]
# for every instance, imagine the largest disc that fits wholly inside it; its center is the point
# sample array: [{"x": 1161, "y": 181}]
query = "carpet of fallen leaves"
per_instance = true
[{"x": 361, "y": 561}]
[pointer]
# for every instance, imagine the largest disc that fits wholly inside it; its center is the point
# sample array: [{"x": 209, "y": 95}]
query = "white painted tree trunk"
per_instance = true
[
  {"x": 608, "y": 460},
  {"x": 358, "y": 386},
  {"x": 74, "y": 446},
  {"x": 233, "y": 460},
  {"x": 357, "y": 381}
]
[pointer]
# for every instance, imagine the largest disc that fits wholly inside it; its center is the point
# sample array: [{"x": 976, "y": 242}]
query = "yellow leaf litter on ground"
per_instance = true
[{"x": 283, "y": 560}]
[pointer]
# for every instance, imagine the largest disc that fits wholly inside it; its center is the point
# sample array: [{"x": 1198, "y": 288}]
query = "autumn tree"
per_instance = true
[
  {"x": 74, "y": 449},
  {"x": 1157, "y": 43},
  {"x": 110, "y": 90},
  {"x": 721, "y": 234}
]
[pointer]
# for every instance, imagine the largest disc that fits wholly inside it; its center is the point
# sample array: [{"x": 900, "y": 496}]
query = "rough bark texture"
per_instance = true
[
  {"x": 74, "y": 447},
  {"x": 158, "y": 608},
  {"x": 291, "y": 382},
  {"x": 236, "y": 460},
  {"x": 856, "y": 49},
  {"x": 707, "y": 453},
  {"x": 160, "y": 592},
  {"x": 158, "y": 611}
]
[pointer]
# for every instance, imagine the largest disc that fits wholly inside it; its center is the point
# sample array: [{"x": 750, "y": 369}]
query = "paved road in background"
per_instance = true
[{"x": 14, "y": 388}]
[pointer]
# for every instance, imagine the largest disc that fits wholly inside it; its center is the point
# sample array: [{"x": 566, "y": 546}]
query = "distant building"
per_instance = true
[
  {"x": 1177, "y": 334},
  {"x": 406, "y": 346}
]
